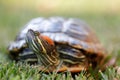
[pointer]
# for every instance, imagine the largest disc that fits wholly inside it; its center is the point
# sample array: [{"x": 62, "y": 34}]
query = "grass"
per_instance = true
[
  {"x": 20, "y": 71},
  {"x": 13, "y": 16}
]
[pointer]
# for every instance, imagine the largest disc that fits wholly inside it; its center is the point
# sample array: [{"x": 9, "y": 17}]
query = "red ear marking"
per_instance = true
[{"x": 47, "y": 39}]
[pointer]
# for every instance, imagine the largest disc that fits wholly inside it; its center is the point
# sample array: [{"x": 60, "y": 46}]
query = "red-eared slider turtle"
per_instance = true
[{"x": 54, "y": 42}]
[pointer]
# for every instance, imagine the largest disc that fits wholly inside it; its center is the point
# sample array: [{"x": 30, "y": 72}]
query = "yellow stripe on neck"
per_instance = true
[{"x": 44, "y": 51}]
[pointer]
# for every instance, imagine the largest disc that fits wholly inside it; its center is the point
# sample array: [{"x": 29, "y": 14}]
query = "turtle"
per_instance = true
[{"x": 57, "y": 43}]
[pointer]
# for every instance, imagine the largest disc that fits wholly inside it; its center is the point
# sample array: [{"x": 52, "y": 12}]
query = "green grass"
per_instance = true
[
  {"x": 20, "y": 71},
  {"x": 104, "y": 22}
]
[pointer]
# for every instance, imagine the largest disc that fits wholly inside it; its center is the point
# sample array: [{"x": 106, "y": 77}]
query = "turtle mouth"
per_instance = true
[
  {"x": 37, "y": 45},
  {"x": 30, "y": 36},
  {"x": 33, "y": 44},
  {"x": 31, "y": 40}
]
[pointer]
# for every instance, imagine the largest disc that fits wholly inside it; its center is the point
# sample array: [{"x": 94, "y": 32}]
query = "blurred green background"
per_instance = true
[{"x": 102, "y": 15}]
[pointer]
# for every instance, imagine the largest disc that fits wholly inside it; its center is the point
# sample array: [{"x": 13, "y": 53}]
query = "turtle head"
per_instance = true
[{"x": 43, "y": 47}]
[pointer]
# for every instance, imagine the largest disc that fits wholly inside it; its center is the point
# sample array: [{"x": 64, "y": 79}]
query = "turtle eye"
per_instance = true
[{"x": 36, "y": 33}]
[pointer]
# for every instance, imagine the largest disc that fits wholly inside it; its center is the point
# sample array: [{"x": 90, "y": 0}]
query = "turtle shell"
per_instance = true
[{"x": 70, "y": 32}]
